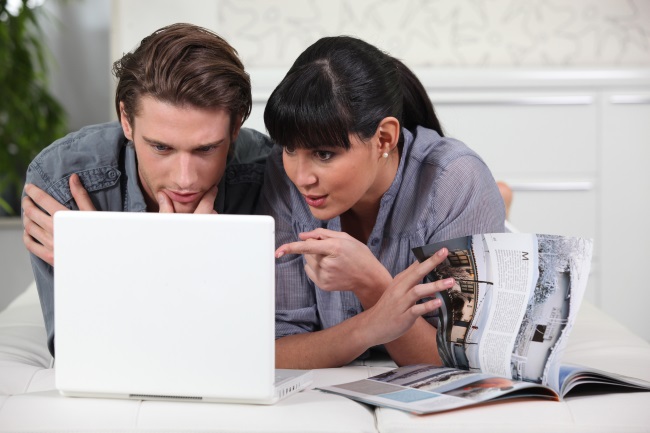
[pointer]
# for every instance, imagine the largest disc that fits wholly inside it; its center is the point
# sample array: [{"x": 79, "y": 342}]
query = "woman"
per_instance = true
[{"x": 363, "y": 174}]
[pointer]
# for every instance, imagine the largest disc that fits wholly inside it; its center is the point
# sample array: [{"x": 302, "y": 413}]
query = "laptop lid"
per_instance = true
[{"x": 171, "y": 306}]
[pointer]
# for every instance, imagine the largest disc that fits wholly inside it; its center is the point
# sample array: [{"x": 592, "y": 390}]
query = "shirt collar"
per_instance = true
[{"x": 133, "y": 197}]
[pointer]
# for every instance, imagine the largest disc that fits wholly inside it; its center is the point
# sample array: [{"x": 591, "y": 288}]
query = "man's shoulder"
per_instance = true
[
  {"x": 240, "y": 188},
  {"x": 251, "y": 147},
  {"x": 83, "y": 147},
  {"x": 93, "y": 152}
]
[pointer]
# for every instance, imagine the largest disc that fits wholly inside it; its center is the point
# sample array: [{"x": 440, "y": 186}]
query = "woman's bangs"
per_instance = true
[{"x": 303, "y": 112}]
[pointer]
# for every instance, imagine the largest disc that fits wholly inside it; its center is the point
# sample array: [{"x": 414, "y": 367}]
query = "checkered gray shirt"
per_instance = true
[{"x": 442, "y": 190}]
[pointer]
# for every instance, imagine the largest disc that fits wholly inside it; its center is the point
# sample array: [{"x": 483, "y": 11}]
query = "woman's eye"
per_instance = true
[
  {"x": 324, "y": 155},
  {"x": 289, "y": 150}
]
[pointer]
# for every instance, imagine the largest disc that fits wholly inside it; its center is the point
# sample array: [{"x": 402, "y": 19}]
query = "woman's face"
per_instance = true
[{"x": 333, "y": 180}]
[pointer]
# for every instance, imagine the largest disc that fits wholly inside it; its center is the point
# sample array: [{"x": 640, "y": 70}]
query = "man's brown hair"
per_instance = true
[{"x": 183, "y": 65}]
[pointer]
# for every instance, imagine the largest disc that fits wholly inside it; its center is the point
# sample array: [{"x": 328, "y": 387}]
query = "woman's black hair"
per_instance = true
[{"x": 342, "y": 85}]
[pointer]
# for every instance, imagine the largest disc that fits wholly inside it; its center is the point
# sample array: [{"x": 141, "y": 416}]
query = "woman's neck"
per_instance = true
[{"x": 359, "y": 220}]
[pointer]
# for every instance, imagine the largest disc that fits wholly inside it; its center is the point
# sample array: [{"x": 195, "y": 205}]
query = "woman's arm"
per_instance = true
[{"x": 393, "y": 315}]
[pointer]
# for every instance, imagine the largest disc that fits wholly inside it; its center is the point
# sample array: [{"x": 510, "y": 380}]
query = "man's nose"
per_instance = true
[{"x": 186, "y": 173}]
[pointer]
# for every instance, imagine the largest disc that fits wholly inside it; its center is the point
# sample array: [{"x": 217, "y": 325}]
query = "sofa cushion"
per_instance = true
[{"x": 30, "y": 402}]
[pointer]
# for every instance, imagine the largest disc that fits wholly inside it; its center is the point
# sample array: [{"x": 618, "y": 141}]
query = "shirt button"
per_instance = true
[
  {"x": 374, "y": 242},
  {"x": 352, "y": 312},
  {"x": 111, "y": 174}
]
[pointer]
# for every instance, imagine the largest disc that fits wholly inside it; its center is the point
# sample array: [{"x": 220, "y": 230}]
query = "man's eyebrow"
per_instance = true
[
  {"x": 214, "y": 143},
  {"x": 156, "y": 142},
  {"x": 198, "y": 146}
]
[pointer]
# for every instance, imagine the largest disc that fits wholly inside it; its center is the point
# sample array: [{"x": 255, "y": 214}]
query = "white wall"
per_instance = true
[
  {"x": 15, "y": 269},
  {"x": 78, "y": 36},
  {"x": 444, "y": 33}
]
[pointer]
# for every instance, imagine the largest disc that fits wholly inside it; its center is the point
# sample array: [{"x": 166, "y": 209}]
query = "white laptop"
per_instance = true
[{"x": 167, "y": 306}]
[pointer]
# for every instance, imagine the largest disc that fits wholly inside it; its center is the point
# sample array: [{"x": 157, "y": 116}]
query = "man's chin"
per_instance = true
[{"x": 185, "y": 207}]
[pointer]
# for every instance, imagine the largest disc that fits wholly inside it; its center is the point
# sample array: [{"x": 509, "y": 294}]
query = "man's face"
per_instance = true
[{"x": 181, "y": 151}]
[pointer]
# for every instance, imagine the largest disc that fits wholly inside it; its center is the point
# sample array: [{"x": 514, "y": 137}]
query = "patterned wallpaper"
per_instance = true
[{"x": 456, "y": 33}]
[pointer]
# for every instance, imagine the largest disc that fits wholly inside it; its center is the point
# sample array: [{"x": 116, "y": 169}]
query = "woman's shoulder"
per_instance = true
[
  {"x": 428, "y": 147},
  {"x": 425, "y": 151}
]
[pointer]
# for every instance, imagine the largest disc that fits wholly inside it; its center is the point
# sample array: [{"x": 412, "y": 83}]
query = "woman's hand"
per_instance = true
[
  {"x": 38, "y": 212},
  {"x": 397, "y": 309},
  {"x": 337, "y": 261}
]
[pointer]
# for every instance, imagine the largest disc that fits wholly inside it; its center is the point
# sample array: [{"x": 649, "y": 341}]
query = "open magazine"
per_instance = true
[{"x": 502, "y": 327}]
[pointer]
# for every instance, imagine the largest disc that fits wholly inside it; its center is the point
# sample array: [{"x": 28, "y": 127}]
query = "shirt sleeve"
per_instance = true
[
  {"x": 43, "y": 273},
  {"x": 466, "y": 200},
  {"x": 295, "y": 300}
]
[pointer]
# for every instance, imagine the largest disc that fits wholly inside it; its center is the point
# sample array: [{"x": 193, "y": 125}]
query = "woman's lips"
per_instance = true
[
  {"x": 182, "y": 197},
  {"x": 315, "y": 200}
]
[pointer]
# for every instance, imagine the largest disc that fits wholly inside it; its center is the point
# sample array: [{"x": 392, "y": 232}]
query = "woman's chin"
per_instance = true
[{"x": 323, "y": 214}]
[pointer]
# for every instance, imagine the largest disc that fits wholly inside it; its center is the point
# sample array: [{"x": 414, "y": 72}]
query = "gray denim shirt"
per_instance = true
[{"x": 106, "y": 164}]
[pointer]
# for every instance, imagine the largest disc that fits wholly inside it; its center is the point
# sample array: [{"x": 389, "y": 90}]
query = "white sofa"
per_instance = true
[{"x": 30, "y": 403}]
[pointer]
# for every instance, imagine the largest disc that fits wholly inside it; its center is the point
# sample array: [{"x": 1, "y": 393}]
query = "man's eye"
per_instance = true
[
  {"x": 324, "y": 155},
  {"x": 160, "y": 147},
  {"x": 205, "y": 149}
]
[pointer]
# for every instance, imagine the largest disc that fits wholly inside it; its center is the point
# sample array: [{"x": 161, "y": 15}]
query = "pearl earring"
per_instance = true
[{"x": 385, "y": 155}]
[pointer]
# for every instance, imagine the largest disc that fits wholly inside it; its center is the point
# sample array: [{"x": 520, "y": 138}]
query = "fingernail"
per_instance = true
[
  {"x": 279, "y": 254},
  {"x": 449, "y": 282},
  {"x": 160, "y": 198},
  {"x": 442, "y": 251}
]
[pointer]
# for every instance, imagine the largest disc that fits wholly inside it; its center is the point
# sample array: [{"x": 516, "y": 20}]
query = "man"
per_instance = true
[{"x": 181, "y": 98}]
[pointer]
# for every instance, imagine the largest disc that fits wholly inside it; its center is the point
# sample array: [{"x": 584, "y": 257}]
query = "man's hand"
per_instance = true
[
  {"x": 38, "y": 212},
  {"x": 205, "y": 206}
]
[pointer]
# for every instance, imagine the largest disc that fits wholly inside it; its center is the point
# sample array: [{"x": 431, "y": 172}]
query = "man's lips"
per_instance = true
[
  {"x": 315, "y": 200},
  {"x": 182, "y": 197}
]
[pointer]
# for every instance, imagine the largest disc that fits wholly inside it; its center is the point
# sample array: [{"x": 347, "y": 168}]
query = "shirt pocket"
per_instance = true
[{"x": 93, "y": 179}]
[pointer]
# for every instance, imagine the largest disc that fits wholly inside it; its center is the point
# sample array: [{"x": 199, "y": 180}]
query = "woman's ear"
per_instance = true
[
  {"x": 126, "y": 125},
  {"x": 388, "y": 133}
]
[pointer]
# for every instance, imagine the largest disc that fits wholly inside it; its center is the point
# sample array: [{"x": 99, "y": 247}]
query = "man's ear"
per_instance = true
[
  {"x": 126, "y": 125},
  {"x": 387, "y": 134}
]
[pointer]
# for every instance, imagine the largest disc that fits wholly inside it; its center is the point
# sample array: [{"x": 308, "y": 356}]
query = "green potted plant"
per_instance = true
[{"x": 30, "y": 117}]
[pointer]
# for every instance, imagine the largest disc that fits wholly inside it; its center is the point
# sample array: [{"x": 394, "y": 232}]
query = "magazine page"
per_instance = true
[
  {"x": 572, "y": 376},
  {"x": 514, "y": 302},
  {"x": 424, "y": 389}
]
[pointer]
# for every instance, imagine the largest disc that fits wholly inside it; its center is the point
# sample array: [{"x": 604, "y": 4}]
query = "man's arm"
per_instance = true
[
  {"x": 38, "y": 212},
  {"x": 38, "y": 208}
]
